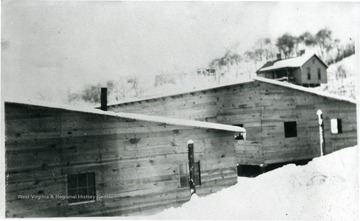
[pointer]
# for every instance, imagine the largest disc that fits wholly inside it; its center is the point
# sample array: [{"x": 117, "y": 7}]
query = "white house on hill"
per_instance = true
[{"x": 306, "y": 70}]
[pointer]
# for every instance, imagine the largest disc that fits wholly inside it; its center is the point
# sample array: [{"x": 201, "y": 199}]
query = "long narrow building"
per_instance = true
[
  {"x": 65, "y": 161},
  {"x": 281, "y": 119}
]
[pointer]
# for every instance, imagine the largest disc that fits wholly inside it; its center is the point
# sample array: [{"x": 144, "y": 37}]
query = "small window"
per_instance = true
[
  {"x": 308, "y": 74},
  {"x": 290, "y": 129},
  {"x": 336, "y": 126},
  {"x": 81, "y": 187},
  {"x": 319, "y": 73},
  {"x": 184, "y": 175},
  {"x": 313, "y": 60},
  {"x": 197, "y": 175}
]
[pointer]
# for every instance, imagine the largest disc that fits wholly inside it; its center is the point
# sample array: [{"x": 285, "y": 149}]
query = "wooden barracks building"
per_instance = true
[
  {"x": 145, "y": 155},
  {"x": 281, "y": 119},
  {"x": 66, "y": 161}
]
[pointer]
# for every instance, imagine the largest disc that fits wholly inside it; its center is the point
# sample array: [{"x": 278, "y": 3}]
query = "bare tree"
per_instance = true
[
  {"x": 286, "y": 44},
  {"x": 251, "y": 56},
  {"x": 91, "y": 93},
  {"x": 324, "y": 41},
  {"x": 307, "y": 38},
  {"x": 119, "y": 89},
  {"x": 236, "y": 59},
  {"x": 216, "y": 64},
  {"x": 269, "y": 49},
  {"x": 225, "y": 61},
  {"x": 134, "y": 83}
]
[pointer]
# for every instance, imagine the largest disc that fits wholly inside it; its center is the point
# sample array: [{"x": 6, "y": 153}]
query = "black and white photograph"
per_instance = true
[{"x": 180, "y": 110}]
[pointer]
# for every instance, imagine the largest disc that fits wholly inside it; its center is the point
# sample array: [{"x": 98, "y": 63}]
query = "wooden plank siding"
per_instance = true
[
  {"x": 234, "y": 105},
  {"x": 262, "y": 108},
  {"x": 302, "y": 109},
  {"x": 136, "y": 163}
]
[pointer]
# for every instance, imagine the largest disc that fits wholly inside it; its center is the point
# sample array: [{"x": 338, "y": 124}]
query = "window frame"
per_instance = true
[
  {"x": 90, "y": 188},
  {"x": 186, "y": 176},
  {"x": 308, "y": 73},
  {"x": 183, "y": 175},
  {"x": 290, "y": 132},
  {"x": 339, "y": 127}
]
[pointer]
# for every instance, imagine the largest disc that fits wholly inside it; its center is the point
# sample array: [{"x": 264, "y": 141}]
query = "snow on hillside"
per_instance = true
[
  {"x": 324, "y": 189},
  {"x": 342, "y": 78}
]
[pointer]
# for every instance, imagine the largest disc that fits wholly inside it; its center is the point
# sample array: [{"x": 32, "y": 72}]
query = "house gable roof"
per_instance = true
[
  {"x": 132, "y": 116},
  {"x": 267, "y": 64},
  {"x": 290, "y": 63}
]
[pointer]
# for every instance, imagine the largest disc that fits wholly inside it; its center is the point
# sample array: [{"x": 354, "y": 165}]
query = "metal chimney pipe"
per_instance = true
[
  {"x": 103, "y": 99},
  {"x": 278, "y": 56}
]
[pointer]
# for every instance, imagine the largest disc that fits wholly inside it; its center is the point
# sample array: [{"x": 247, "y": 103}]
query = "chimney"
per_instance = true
[
  {"x": 103, "y": 99},
  {"x": 302, "y": 52},
  {"x": 278, "y": 56}
]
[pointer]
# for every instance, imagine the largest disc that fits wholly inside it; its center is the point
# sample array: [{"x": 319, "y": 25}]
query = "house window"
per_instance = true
[
  {"x": 319, "y": 73},
  {"x": 336, "y": 126},
  {"x": 81, "y": 187},
  {"x": 239, "y": 136},
  {"x": 184, "y": 175},
  {"x": 313, "y": 60},
  {"x": 308, "y": 74},
  {"x": 290, "y": 129}
]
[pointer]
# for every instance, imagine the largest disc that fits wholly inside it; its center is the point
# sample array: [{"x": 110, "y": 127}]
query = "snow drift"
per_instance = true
[{"x": 325, "y": 188}]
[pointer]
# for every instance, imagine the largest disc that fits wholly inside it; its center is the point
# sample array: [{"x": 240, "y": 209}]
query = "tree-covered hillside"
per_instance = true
[{"x": 235, "y": 66}]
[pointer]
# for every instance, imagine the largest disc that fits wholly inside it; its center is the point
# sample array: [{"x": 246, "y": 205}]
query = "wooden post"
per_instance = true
[
  {"x": 321, "y": 132},
  {"x": 322, "y": 135},
  {"x": 190, "y": 144},
  {"x": 103, "y": 98}
]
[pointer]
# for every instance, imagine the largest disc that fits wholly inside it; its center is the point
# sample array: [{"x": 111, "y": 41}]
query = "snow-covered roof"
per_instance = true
[
  {"x": 173, "y": 94},
  {"x": 142, "y": 117},
  {"x": 304, "y": 89},
  {"x": 291, "y": 62},
  {"x": 266, "y": 80}
]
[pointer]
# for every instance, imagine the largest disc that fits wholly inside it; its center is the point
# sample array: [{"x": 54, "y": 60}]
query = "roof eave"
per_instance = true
[
  {"x": 140, "y": 117},
  {"x": 280, "y": 68}
]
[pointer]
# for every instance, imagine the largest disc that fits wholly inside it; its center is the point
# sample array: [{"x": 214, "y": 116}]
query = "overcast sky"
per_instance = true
[{"x": 66, "y": 44}]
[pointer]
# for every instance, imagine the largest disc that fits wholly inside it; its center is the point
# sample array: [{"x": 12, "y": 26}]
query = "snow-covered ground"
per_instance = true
[
  {"x": 342, "y": 78},
  {"x": 324, "y": 189}
]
